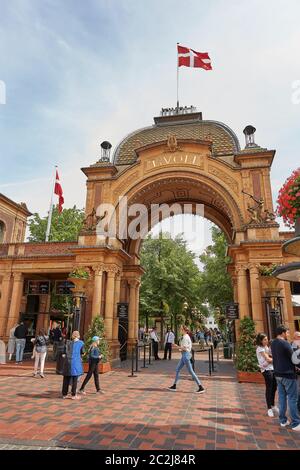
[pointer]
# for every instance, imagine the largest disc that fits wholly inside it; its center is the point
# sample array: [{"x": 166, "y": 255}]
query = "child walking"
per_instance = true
[{"x": 94, "y": 358}]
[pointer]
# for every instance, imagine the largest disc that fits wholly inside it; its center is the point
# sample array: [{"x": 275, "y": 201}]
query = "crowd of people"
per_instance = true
[{"x": 279, "y": 363}]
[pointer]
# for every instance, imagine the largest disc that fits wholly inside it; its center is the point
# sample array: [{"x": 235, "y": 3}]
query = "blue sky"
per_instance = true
[{"x": 77, "y": 73}]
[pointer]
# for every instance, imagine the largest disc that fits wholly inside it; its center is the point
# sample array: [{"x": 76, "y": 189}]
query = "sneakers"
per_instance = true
[
  {"x": 42, "y": 376},
  {"x": 75, "y": 397},
  {"x": 173, "y": 388},
  {"x": 34, "y": 374},
  {"x": 296, "y": 428},
  {"x": 200, "y": 390},
  {"x": 287, "y": 423},
  {"x": 270, "y": 413},
  {"x": 82, "y": 392},
  {"x": 100, "y": 391},
  {"x": 275, "y": 409}
]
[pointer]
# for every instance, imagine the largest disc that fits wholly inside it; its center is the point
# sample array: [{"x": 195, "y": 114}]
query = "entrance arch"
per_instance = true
[{"x": 182, "y": 160}]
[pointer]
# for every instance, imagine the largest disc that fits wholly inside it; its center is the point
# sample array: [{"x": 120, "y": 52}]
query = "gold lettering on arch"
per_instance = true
[{"x": 175, "y": 159}]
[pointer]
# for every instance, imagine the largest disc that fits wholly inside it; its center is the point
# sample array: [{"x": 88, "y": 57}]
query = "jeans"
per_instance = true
[
  {"x": 288, "y": 393},
  {"x": 66, "y": 382},
  {"x": 39, "y": 358},
  {"x": 20, "y": 346},
  {"x": 271, "y": 387},
  {"x": 186, "y": 361}
]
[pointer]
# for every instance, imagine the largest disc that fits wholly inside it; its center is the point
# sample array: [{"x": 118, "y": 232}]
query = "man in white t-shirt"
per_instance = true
[{"x": 169, "y": 340}]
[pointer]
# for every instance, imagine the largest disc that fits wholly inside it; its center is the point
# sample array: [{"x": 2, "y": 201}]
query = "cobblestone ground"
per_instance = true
[{"x": 138, "y": 412}]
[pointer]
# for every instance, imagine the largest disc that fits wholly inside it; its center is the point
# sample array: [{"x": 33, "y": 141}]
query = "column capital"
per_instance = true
[
  {"x": 240, "y": 269},
  {"x": 133, "y": 283},
  {"x": 18, "y": 277},
  {"x": 98, "y": 269},
  {"x": 112, "y": 269},
  {"x": 254, "y": 268},
  {"x": 6, "y": 277}
]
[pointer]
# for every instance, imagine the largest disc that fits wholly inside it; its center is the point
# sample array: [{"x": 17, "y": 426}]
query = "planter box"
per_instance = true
[
  {"x": 103, "y": 367},
  {"x": 250, "y": 377}
]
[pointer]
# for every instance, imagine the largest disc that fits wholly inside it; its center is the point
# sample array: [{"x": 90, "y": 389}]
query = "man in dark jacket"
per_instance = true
[
  {"x": 284, "y": 371},
  {"x": 56, "y": 336},
  {"x": 20, "y": 334}
]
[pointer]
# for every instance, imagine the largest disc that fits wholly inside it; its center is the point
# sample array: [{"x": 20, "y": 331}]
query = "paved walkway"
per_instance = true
[{"x": 138, "y": 412}]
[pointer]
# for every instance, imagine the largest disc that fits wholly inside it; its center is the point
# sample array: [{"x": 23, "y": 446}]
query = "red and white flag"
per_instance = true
[
  {"x": 190, "y": 58},
  {"x": 59, "y": 192}
]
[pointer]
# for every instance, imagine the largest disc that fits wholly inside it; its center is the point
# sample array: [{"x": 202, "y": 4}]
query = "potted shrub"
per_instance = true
[
  {"x": 266, "y": 274},
  {"x": 288, "y": 202},
  {"x": 79, "y": 277},
  {"x": 96, "y": 328},
  {"x": 246, "y": 362}
]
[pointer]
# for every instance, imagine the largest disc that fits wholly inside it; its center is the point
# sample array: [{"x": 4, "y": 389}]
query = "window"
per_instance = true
[{"x": 2, "y": 231}]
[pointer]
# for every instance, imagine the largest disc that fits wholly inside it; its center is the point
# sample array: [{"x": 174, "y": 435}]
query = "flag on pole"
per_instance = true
[
  {"x": 189, "y": 58},
  {"x": 59, "y": 192}
]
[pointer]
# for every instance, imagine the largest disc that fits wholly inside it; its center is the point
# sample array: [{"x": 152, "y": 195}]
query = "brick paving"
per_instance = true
[{"x": 138, "y": 412}]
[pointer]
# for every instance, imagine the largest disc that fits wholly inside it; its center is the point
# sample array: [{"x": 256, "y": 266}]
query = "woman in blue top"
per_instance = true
[
  {"x": 72, "y": 367},
  {"x": 94, "y": 358}
]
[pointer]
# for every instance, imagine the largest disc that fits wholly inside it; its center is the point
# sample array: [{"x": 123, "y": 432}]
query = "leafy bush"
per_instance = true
[
  {"x": 80, "y": 273},
  {"x": 96, "y": 328},
  {"x": 246, "y": 353},
  {"x": 267, "y": 270}
]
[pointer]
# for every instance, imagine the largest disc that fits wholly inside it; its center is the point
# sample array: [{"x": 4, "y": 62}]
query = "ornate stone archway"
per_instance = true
[{"x": 181, "y": 159}]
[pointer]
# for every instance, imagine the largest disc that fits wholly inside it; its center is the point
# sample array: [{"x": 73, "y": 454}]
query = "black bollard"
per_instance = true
[
  {"x": 209, "y": 361},
  {"x": 144, "y": 366},
  {"x": 132, "y": 364},
  {"x": 136, "y": 356},
  {"x": 150, "y": 351},
  {"x": 212, "y": 359}
]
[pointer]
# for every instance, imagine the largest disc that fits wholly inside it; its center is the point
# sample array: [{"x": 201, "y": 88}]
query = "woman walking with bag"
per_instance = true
[
  {"x": 94, "y": 358},
  {"x": 40, "y": 345}
]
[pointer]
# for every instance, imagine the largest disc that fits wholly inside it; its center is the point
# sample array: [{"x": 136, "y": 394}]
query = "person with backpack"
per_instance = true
[
  {"x": 94, "y": 359},
  {"x": 40, "y": 344}
]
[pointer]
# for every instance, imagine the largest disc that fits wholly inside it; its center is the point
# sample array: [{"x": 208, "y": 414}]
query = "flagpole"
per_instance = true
[
  {"x": 50, "y": 209},
  {"x": 177, "y": 82}
]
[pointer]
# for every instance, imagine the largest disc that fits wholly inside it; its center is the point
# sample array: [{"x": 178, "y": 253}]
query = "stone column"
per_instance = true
[
  {"x": 14, "y": 311},
  {"x": 109, "y": 303},
  {"x": 287, "y": 305},
  {"x": 97, "y": 294},
  {"x": 256, "y": 300},
  {"x": 132, "y": 311},
  {"x": 4, "y": 300},
  {"x": 117, "y": 299},
  {"x": 242, "y": 291}
]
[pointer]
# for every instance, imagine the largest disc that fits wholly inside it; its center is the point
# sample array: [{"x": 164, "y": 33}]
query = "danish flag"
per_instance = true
[
  {"x": 59, "y": 192},
  {"x": 190, "y": 58}
]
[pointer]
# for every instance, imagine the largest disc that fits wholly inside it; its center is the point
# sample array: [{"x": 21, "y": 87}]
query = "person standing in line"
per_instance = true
[
  {"x": 265, "y": 363},
  {"x": 20, "y": 335},
  {"x": 56, "y": 335},
  {"x": 296, "y": 361},
  {"x": 72, "y": 367},
  {"x": 155, "y": 341},
  {"x": 11, "y": 346},
  {"x": 94, "y": 359},
  {"x": 185, "y": 349},
  {"x": 40, "y": 344},
  {"x": 286, "y": 378},
  {"x": 169, "y": 340}
]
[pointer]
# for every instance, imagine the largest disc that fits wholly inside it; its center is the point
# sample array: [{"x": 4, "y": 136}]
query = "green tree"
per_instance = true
[
  {"x": 216, "y": 286},
  {"x": 172, "y": 279},
  {"x": 246, "y": 353},
  {"x": 96, "y": 328},
  {"x": 65, "y": 226}
]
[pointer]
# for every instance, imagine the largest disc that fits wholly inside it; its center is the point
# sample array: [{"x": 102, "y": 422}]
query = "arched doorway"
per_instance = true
[{"x": 188, "y": 162}]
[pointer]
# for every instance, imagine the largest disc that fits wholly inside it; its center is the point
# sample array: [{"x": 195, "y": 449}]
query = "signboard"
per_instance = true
[
  {"x": 122, "y": 310},
  {"x": 63, "y": 287},
  {"x": 38, "y": 287},
  {"x": 232, "y": 311}
]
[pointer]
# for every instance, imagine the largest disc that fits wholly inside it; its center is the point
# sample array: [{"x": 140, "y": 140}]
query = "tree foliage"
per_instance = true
[
  {"x": 65, "y": 226},
  {"x": 215, "y": 286},
  {"x": 172, "y": 279},
  {"x": 246, "y": 355},
  {"x": 96, "y": 328}
]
